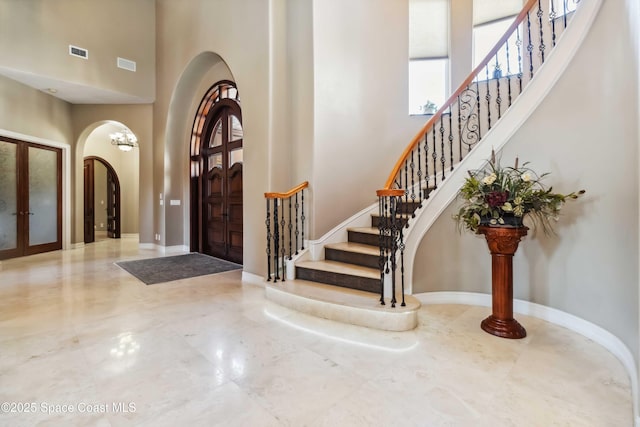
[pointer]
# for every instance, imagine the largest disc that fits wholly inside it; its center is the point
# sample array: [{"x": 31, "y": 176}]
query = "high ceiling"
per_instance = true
[{"x": 71, "y": 92}]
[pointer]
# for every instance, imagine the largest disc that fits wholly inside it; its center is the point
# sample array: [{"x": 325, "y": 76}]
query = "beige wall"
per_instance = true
[
  {"x": 108, "y": 29},
  {"x": 31, "y": 112},
  {"x": 360, "y": 104},
  {"x": 586, "y": 134}
]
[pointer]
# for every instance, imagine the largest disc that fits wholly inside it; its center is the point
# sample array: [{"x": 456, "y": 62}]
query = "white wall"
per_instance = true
[{"x": 586, "y": 134}]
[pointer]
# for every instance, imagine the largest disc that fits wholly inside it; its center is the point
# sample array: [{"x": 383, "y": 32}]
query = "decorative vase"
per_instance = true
[{"x": 503, "y": 243}]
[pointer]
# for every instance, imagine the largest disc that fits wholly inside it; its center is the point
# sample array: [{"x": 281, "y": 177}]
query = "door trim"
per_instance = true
[
  {"x": 23, "y": 247},
  {"x": 111, "y": 170},
  {"x": 66, "y": 177},
  {"x": 219, "y": 94}
]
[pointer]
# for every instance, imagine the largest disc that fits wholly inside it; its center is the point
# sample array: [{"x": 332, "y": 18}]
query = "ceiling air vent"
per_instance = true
[
  {"x": 126, "y": 64},
  {"x": 79, "y": 52}
]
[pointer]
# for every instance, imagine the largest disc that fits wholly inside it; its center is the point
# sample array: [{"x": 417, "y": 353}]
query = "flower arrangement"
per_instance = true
[{"x": 503, "y": 196}]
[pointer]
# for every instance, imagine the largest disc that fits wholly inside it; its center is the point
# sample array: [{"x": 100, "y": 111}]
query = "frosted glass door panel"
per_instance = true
[
  {"x": 8, "y": 196},
  {"x": 43, "y": 196}
]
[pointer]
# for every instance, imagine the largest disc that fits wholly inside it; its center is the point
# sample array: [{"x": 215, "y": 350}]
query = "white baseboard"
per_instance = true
[
  {"x": 254, "y": 279},
  {"x": 177, "y": 249},
  {"x": 558, "y": 317},
  {"x": 78, "y": 245}
]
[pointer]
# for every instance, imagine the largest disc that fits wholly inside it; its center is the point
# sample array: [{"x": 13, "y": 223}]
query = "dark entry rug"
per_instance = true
[{"x": 166, "y": 269}]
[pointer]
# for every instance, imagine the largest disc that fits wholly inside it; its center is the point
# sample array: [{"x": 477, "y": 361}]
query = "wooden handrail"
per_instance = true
[
  {"x": 416, "y": 139},
  {"x": 289, "y": 193}
]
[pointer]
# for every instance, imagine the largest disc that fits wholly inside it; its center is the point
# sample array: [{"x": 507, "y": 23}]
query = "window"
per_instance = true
[
  {"x": 427, "y": 83},
  {"x": 491, "y": 19},
  {"x": 485, "y": 37},
  {"x": 428, "y": 53}
]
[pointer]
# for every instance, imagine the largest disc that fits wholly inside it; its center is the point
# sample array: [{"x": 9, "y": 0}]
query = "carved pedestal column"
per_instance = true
[{"x": 503, "y": 243}]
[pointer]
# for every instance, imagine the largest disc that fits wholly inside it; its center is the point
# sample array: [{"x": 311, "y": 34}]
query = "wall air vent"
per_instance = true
[
  {"x": 126, "y": 64},
  {"x": 79, "y": 52}
]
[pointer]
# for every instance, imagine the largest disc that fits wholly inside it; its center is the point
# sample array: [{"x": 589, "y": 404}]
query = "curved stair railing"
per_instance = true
[
  {"x": 465, "y": 118},
  {"x": 285, "y": 229}
]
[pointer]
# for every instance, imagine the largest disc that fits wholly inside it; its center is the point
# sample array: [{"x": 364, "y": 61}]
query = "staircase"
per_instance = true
[
  {"x": 371, "y": 263},
  {"x": 354, "y": 264}
]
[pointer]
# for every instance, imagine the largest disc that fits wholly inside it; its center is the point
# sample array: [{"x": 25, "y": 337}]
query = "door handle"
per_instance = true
[{"x": 29, "y": 213}]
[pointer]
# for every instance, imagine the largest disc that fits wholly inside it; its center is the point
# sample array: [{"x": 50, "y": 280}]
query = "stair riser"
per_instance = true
[
  {"x": 364, "y": 238},
  {"x": 375, "y": 221},
  {"x": 356, "y": 258},
  {"x": 337, "y": 279}
]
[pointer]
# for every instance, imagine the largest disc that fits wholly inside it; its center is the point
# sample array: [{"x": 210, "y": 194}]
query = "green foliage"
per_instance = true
[{"x": 494, "y": 193}]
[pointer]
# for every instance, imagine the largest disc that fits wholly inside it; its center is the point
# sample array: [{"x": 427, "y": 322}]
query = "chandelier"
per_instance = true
[{"x": 124, "y": 140}]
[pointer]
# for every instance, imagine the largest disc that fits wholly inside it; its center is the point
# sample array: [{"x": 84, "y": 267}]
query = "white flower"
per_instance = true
[
  {"x": 526, "y": 177},
  {"x": 489, "y": 179},
  {"x": 507, "y": 207}
]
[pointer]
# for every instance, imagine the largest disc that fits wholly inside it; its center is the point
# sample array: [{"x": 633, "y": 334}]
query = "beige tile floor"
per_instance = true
[{"x": 76, "y": 330}]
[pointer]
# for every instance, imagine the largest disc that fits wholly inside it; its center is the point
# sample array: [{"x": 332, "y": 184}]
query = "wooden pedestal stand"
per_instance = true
[{"x": 503, "y": 243}]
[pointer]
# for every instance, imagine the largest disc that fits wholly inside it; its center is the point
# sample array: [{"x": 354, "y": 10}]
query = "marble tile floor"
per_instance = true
[{"x": 83, "y": 343}]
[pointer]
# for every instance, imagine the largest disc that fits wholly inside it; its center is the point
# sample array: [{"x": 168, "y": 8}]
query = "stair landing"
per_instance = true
[{"x": 344, "y": 305}]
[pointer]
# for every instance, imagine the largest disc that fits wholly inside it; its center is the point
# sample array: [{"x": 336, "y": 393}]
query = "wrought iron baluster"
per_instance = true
[
  {"x": 268, "y": 224},
  {"x": 434, "y": 156},
  {"x": 450, "y": 139},
  {"x": 426, "y": 163},
  {"x": 282, "y": 249},
  {"x": 406, "y": 181},
  {"x": 519, "y": 45},
  {"x": 420, "y": 191},
  {"x": 487, "y": 97},
  {"x": 302, "y": 218},
  {"x": 498, "y": 98},
  {"x": 508, "y": 72},
  {"x": 460, "y": 126},
  {"x": 276, "y": 241},
  {"x": 297, "y": 232},
  {"x": 479, "y": 109},
  {"x": 541, "y": 47},
  {"x": 290, "y": 230},
  {"x": 530, "y": 45},
  {"x": 401, "y": 247},
  {"x": 552, "y": 18},
  {"x": 394, "y": 247},
  {"x": 442, "y": 153},
  {"x": 381, "y": 243},
  {"x": 413, "y": 183}
]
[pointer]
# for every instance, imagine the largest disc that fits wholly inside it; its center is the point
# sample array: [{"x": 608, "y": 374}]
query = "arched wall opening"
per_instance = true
[
  {"x": 200, "y": 74},
  {"x": 95, "y": 141}
]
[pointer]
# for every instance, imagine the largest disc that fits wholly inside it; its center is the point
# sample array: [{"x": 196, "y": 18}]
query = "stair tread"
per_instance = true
[
  {"x": 344, "y": 296},
  {"x": 341, "y": 268},
  {"x": 368, "y": 230},
  {"x": 355, "y": 247}
]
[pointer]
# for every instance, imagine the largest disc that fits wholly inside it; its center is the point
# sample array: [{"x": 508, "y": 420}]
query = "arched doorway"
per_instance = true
[
  {"x": 216, "y": 174},
  {"x": 106, "y": 184}
]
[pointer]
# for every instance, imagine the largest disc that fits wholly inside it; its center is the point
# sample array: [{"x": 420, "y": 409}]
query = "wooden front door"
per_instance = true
[
  {"x": 30, "y": 198},
  {"x": 221, "y": 183}
]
